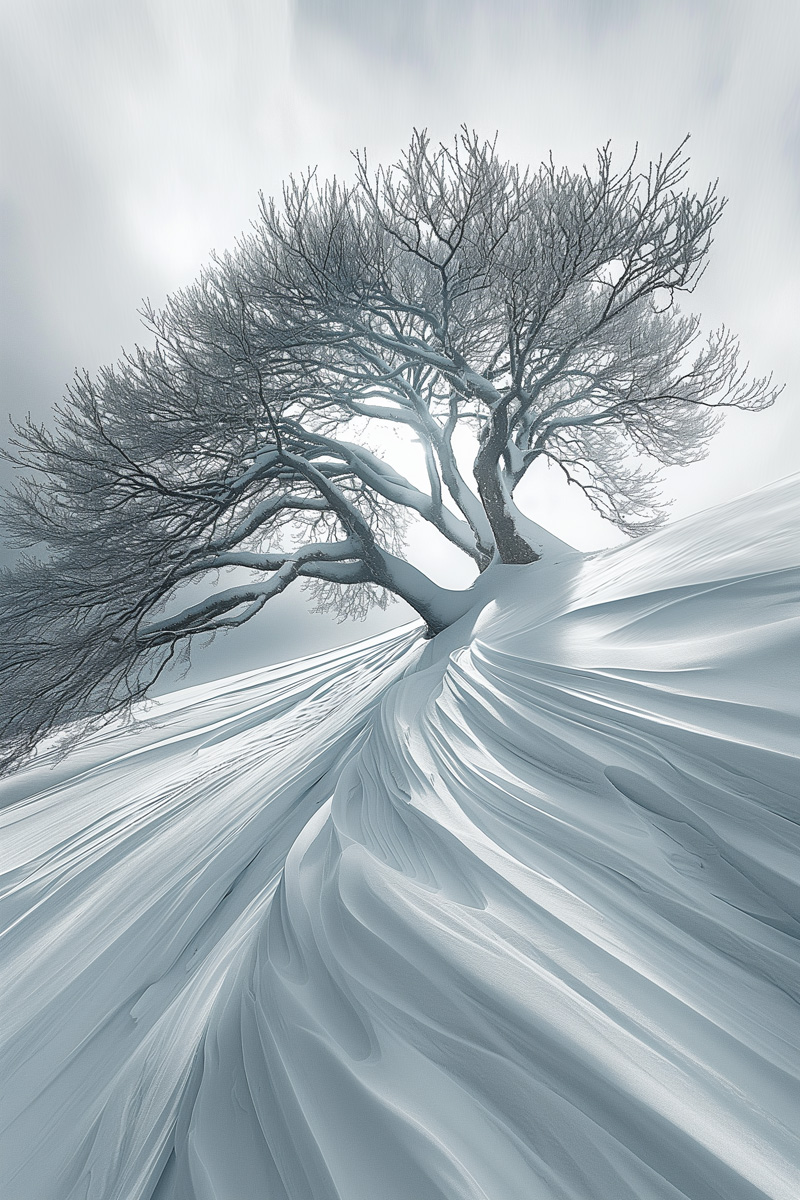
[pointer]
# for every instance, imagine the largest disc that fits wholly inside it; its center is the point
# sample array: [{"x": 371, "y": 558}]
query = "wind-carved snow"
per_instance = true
[{"x": 535, "y": 932}]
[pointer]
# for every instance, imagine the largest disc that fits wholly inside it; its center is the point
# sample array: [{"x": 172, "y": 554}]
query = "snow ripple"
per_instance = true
[
  {"x": 539, "y": 941},
  {"x": 135, "y": 875}
]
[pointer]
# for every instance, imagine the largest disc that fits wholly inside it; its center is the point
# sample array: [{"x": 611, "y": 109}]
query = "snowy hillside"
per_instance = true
[{"x": 512, "y": 915}]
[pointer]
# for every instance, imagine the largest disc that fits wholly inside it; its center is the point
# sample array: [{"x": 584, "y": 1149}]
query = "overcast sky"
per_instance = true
[{"x": 135, "y": 136}]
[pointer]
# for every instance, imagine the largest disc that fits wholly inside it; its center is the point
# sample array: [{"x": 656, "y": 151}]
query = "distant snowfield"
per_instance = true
[{"x": 512, "y": 915}]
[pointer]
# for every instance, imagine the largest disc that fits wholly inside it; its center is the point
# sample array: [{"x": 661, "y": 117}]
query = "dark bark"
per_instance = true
[{"x": 512, "y": 547}]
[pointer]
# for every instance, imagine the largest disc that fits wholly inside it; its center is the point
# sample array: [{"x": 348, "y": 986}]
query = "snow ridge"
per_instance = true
[{"x": 535, "y": 935}]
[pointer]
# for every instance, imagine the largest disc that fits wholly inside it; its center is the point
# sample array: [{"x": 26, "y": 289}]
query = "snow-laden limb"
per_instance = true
[
  {"x": 537, "y": 940},
  {"x": 454, "y": 298}
]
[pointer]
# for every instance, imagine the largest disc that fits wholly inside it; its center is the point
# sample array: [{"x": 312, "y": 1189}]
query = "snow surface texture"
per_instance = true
[{"x": 511, "y": 915}]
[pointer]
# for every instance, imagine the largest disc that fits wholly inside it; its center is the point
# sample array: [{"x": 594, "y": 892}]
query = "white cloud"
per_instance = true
[{"x": 136, "y": 138}]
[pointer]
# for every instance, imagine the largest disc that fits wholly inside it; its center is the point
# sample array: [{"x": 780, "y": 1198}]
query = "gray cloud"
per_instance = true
[{"x": 134, "y": 138}]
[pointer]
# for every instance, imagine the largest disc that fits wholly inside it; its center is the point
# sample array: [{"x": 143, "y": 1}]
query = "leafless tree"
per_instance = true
[{"x": 454, "y": 290}]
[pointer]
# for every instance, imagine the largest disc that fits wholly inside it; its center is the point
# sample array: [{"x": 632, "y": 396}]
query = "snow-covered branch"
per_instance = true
[{"x": 534, "y": 309}]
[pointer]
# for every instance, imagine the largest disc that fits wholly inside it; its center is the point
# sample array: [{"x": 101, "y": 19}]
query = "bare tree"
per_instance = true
[{"x": 535, "y": 309}]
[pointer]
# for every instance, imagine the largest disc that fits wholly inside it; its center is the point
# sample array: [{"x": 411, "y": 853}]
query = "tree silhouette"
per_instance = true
[{"x": 451, "y": 292}]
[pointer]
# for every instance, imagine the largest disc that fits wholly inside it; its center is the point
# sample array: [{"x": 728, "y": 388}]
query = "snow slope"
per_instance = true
[{"x": 536, "y": 931}]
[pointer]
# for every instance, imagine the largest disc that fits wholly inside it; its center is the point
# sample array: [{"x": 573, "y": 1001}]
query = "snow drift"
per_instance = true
[{"x": 511, "y": 915}]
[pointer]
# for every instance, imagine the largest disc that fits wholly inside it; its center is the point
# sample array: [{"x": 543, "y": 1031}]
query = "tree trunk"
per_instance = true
[
  {"x": 512, "y": 547},
  {"x": 439, "y": 607}
]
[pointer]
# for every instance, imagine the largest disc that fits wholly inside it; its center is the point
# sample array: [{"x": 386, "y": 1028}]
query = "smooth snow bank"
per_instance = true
[
  {"x": 135, "y": 873},
  {"x": 536, "y": 935}
]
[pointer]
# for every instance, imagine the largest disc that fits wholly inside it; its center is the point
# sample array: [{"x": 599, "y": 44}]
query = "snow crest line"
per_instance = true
[{"x": 535, "y": 935}]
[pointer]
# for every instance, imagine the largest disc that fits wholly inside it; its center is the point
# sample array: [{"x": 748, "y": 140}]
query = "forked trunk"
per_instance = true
[{"x": 512, "y": 548}]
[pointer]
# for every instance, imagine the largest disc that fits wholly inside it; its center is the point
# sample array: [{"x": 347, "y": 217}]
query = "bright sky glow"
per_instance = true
[{"x": 136, "y": 138}]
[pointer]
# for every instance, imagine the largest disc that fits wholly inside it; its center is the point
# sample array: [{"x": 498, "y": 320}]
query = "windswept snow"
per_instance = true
[{"x": 511, "y": 915}]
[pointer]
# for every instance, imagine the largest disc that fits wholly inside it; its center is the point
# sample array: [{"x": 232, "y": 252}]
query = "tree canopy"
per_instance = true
[{"x": 454, "y": 291}]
